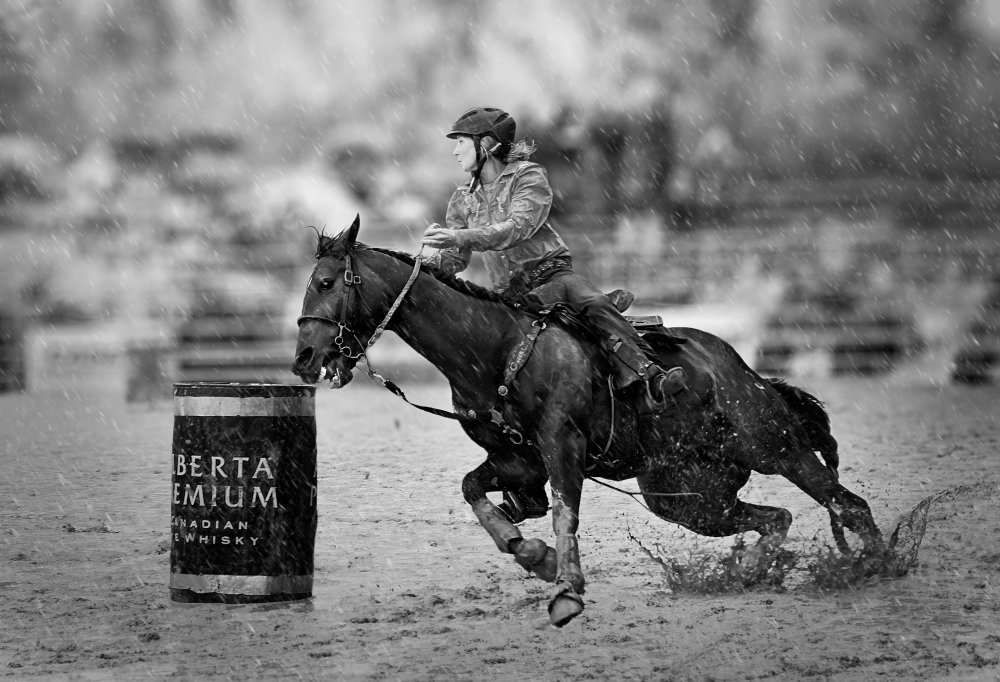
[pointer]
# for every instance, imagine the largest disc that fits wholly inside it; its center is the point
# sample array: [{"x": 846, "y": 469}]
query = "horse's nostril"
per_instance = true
[{"x": 303, "y": 359}]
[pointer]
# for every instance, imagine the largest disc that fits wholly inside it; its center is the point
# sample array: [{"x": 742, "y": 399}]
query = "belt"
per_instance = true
[{"x": 547, "y": 265}]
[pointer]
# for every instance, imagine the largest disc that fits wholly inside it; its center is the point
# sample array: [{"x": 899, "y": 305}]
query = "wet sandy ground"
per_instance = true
[{"x": 409, "y": 587}]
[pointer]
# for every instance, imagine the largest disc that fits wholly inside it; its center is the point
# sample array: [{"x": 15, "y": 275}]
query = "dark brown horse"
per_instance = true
[{"x": 560, "y": 422}]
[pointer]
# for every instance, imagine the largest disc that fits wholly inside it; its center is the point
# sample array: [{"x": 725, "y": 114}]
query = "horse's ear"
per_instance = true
[
  {"x": 352, "y": 231},
  {"x": 345, "y": 240}
]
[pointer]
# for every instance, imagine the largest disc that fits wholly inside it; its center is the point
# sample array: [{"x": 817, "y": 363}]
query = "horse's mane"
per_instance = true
[
  {"x": 326, "y": 245},
  {"x": 456, "y": 283}
]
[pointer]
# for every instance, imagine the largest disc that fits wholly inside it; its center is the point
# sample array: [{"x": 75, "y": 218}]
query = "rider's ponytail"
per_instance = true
[{"x": 519, "y": 151}]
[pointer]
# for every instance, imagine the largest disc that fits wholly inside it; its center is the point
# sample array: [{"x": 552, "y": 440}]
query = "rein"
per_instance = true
[{"x": 352, "y": 280}]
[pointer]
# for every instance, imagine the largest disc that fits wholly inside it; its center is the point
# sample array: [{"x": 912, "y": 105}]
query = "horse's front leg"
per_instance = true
[
  {"x": 533, "y": 555},
  {"x": 564, "y": 450}
]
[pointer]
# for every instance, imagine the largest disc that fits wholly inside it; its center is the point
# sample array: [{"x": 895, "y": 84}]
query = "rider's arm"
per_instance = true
[
  {"x": 454, "y": 259},
  {"x": 527, "y": 210}
]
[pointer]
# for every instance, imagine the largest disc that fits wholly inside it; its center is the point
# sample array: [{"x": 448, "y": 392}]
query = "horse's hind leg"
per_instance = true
[
  {"x": 710, "y": 507},
  {"x": 498, "y": 473},
  {"x": 845, "y": 507}
]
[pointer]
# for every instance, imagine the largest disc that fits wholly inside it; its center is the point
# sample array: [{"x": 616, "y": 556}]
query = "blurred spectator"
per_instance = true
[
  {"x": 714, "y": 163},
  {"x": 27, "y": 168},
  {"x": 92, "y": 178}
]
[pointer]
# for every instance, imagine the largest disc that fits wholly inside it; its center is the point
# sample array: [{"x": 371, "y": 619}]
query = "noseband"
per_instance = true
[{"x": 351, "y": 281}]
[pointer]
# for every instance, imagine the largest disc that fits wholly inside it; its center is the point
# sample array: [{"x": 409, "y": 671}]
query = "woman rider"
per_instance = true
[{"x": 503, "y": 213}]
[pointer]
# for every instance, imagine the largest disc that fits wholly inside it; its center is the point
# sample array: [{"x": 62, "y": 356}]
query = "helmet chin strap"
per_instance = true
[{"x": 482, "y": 156}]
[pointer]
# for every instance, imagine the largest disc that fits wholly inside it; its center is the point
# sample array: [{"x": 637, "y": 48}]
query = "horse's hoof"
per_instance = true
[
  {"x": 565, "y": 606},
  {"x": 535, "y": 556},
  {"x": 752, "y": 565},
  {"x": 547, "y": 568}
]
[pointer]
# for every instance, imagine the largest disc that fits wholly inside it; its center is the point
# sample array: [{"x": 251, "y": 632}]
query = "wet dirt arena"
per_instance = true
[{"x": 409, "y": 587}]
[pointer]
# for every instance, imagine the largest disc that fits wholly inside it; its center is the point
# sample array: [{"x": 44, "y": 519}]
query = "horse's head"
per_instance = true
[{"x": 337, "y": 312}]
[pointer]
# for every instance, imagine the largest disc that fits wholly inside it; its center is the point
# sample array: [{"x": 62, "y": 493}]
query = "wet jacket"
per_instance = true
[{"x": 507, "y": 221}]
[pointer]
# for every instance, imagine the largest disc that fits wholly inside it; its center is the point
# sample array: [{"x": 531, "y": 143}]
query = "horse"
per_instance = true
[{"x": 545, "y": 411}]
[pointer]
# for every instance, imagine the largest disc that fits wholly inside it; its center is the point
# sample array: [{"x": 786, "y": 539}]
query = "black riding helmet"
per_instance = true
[
  {"x": 477, "y": 123},
  {"x": 481, "y": 121}
]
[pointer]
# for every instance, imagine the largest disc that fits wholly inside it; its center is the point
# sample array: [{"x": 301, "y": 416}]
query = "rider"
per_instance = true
[{"x": 503, "y": 213}]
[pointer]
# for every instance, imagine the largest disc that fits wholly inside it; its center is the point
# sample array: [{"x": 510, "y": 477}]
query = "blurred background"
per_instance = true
[{"x": 814, "y": 180}]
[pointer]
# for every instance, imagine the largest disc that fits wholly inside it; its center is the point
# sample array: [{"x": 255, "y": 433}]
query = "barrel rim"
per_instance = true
[{"x": 241, "y": 389}]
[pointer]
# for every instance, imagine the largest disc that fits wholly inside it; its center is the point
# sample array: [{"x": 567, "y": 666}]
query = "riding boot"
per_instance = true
[
  {"x": 632, "y": 365},
  {"x": 634, "y": 361}
]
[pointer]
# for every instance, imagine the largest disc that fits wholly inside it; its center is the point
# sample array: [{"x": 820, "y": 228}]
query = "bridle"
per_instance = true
[{"x": 351, "y": 281}]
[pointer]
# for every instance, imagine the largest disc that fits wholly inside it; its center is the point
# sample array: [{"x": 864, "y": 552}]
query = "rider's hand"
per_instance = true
[{"x": 439, "y": 237}]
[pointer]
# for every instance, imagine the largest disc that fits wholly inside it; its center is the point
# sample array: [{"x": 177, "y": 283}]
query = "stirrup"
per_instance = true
[{"x": 668, "y": 384}]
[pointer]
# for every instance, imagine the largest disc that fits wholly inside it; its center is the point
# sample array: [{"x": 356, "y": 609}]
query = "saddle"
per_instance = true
[
  {"x": 650, "y": 327},
  {"x": 646, "y": 325}
]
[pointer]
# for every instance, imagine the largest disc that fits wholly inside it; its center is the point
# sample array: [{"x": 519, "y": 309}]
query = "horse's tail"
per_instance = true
[
  {"x": 816, "y": 422},
  {"x": 814, "y": 419}
]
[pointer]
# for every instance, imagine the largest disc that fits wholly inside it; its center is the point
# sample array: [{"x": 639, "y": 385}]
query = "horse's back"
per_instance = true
[
  {"x": 722, "y": 383},
  {"x": 703, "y": 350}
]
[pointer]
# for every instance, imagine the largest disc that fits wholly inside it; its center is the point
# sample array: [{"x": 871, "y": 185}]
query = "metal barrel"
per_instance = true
[{"x": 243, "y": 499}]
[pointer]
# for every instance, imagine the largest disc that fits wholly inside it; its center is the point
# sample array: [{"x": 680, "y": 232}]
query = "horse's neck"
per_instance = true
[{"x": 463, "y": 336}]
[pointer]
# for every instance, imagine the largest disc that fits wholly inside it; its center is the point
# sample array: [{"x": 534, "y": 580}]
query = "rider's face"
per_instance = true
[{"x": 465, "y": 152}]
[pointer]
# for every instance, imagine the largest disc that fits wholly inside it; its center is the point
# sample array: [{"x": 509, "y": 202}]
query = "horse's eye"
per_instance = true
[{"x": 326, "y": 283}]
